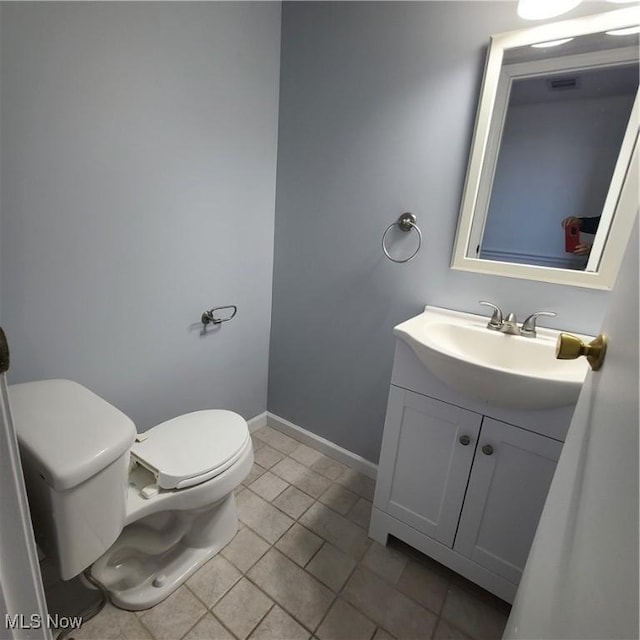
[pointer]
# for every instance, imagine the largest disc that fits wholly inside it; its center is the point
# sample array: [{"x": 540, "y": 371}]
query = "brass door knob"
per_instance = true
[{"x": 571, "y": 347}]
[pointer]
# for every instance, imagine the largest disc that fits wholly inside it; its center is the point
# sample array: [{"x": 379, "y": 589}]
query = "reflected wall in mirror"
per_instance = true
[{"x": 555, "y": 137}]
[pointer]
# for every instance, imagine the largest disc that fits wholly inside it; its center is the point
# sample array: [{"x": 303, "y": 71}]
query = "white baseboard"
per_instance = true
[
  {"x": 257, "y": 422},
  {"x": 352, "y": 460}
]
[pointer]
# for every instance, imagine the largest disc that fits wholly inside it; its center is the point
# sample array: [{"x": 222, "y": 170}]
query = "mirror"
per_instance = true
[{"x": 552, "y": 183}]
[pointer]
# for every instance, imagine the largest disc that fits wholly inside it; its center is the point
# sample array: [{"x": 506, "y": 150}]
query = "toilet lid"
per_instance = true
[{"x": 192, "y": 448}]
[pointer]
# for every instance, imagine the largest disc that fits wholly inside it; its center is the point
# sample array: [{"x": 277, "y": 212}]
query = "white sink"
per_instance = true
[{"x": 498, "y": 368}]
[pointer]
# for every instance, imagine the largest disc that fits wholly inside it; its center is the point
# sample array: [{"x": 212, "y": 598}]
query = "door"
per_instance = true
[
  {"x": 509, "y": 482},
  {"x": 425, "y": 460},
  {"x": 21, "y": 592},
  {"x": 581, "y": 578}
]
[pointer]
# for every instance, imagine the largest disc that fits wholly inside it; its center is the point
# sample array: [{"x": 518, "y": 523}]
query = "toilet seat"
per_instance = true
[{"x": 192, "y": 448}]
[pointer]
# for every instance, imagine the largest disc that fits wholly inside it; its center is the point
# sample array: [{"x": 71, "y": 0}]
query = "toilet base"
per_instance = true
[{"x": 154, "y": 556}]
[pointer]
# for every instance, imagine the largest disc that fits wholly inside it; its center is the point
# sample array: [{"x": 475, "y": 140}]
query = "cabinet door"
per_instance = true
[
  {"x": 507, "y": 490},
  {"x": 424, "y": 467}
]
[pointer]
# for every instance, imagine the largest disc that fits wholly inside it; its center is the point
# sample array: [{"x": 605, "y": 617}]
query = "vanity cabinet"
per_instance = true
[
  {"x": 461, "y": 485},
  {"x": 424, "y": 471},
  {"x": 508, "y": 485}
]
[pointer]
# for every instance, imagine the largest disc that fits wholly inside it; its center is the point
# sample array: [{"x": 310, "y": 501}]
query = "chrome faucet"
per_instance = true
[
  {"x": 510, "y": 324},
  {"x": 496, "y": 322},
  {"x": 528, "y": 327}
]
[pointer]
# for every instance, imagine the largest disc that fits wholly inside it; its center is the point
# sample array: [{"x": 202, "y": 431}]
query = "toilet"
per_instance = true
[{"x": 144, "y": 511}]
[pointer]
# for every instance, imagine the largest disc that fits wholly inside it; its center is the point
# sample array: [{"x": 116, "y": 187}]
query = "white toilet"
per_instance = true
[{"x": 144, "y": 510}]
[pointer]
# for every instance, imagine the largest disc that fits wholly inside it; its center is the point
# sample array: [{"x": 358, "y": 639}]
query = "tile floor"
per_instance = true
[{"x": 301, "y": 566}]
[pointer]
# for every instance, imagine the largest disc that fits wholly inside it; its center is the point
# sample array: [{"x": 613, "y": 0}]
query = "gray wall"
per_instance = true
[
  {"x": 138, "y": 175},
  {"x": 138, "y": 172},
  {"x": 377, "y": 104}
]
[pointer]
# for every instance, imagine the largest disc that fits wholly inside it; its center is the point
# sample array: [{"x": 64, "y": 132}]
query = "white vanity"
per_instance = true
[
  {"x": 476, "y": 417},
  {"x": 462, "y": 479}
]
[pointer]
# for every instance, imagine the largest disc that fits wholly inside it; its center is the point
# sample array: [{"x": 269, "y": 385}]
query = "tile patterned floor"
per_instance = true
[{"x": 302, "y": 567}]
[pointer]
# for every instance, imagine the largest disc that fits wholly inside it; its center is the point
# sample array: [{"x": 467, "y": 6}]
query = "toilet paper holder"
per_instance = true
[{"x": 211, "y": 317}]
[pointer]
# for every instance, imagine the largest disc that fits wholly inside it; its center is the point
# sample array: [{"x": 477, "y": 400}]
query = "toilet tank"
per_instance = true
[{"x": 74, "y": 448}]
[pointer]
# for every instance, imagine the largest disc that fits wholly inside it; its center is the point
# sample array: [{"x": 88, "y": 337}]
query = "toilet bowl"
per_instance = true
[{"x": 143, "y": 510}]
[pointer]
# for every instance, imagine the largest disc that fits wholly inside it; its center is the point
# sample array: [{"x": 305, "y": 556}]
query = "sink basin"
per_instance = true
[{"x": 497, "y": 368}]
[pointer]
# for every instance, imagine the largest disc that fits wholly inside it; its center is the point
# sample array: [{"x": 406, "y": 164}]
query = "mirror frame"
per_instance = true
[{"x": 622, "y": 198}]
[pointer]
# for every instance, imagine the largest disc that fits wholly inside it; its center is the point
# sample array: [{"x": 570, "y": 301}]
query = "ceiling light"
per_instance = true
[
  {"x": 624, "y": 32},
  {"x": 551, "y": 43},
  {"x": 540, "y": 9}
]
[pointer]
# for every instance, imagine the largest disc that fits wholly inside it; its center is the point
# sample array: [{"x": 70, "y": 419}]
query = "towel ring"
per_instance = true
[{"x": 406, "y": 222}]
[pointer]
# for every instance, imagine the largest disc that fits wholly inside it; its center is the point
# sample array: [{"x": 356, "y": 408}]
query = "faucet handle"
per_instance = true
[
  {"x": 496, "y": 317},
  {"x": 528, "y": 327}
]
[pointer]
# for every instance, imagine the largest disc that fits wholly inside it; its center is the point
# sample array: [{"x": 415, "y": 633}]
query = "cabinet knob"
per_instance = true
[
  {"x": 464, "y": 440},
  {"x": 487, "y": 449}
]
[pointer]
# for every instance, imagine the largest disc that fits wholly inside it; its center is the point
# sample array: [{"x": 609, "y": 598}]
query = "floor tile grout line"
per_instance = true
[
  {"x": 251, "y": 529},
  {"x": 310, "y": 496},
  {"x": 318, "y": 499},
  {"x": 281, "y": 604},
  {"x": 222, "y": 624},
  {"x": 194, "y": 624},
  {"x": 302, "y": 566},
  {"x": 340, "y": 591},
  {"x": 306, "y": 468},
  {"x": 273, "y": 604},
  {"x": 294, "y": 521},
  {"x": 394, "y": 587},
  {"x": 246, "y": 577},
  {"x": 274, "y": 497},
  {"x": 209, "y": 609},
  {"x": 326, "y": 613},
  {"x": 441, "y": 619},
  {"x": 322, "y": 546},
  {"x": 449, "y": 583},
  {"x": 310, "y": 467},
  {"x": 141, "y": 621},
  {"x": 242, "y": 571},
  {"x": 325, "y": 541}
]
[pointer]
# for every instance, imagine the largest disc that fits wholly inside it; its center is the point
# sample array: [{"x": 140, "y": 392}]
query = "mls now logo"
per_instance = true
[{"x": 36, "y": 621}]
